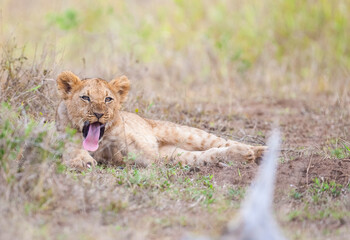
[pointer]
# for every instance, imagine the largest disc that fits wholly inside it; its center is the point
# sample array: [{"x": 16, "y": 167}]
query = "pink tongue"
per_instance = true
[{"x": 91, "y": 141}]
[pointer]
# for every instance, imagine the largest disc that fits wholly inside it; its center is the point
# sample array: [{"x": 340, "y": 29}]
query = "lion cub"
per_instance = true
[{"x": 104, "y": 133}]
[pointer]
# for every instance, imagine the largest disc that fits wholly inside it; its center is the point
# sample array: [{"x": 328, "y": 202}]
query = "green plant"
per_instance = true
[
  {"x": 338, "y": 148},
  {"x": 321, "y": 187},
  {"x": 296, "y": 195},
  {"x": 338, "y": 153},
  {"x": 66, "y": 20}
]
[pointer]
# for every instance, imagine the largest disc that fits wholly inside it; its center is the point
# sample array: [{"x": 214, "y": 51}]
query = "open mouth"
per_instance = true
[{"x": 92, "y": 133}]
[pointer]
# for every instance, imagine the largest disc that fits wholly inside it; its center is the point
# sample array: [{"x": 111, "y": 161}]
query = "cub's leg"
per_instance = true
[
  {"x": 212, "y": 155},
  {"x": 189, "y": 138},
  {"x": 76, "y": 157},
  {"x": 193, "y": 139}
]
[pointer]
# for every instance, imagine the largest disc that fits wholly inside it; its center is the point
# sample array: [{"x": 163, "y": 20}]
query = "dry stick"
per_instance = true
[
  {"x": 221, "y": 164},
  {"x": 307, "y": 171},
  {"x": 196, "y": 203}
]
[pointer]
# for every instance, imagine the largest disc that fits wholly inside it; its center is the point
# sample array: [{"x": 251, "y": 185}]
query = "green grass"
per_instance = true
[
  {"x": 321, "y": 201},
  {"x": 330, "y": 211},
  {"x": 170, "y": 180},
  {"x": 285, "y": 25},
  {"x": 22, "y": 135},
  {"x": 296, "y": 194},
  {"x": 227, "y": 38},
  {"x": 320, "y": 187},
  {"x": 338, "y": 148}
]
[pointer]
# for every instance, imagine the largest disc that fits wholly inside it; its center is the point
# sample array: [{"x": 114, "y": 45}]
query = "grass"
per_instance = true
[
  {"x": 230, "y": 67},
  {"x": 22, "y": 135},
  {"x": 337, "y": 148},
  {"x": 298, "y": 43},
  {"x": 38, "y": 183},
  {"x": 321, "y": 201}
]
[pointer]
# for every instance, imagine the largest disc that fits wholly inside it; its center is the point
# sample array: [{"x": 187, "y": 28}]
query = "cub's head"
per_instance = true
[{"x": 92, "y": 104}]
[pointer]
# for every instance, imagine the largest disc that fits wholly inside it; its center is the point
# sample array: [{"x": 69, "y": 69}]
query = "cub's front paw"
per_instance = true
[{"x": 82, "y": 162}]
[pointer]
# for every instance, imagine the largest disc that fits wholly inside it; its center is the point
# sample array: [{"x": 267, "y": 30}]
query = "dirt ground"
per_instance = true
[{"x": 307, "y": 128}]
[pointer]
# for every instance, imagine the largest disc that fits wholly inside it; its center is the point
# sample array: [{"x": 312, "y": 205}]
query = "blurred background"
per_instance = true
[{"x": 199, "y": 50}]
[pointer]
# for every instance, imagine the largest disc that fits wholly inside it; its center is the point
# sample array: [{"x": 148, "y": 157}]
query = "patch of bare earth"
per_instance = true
[{"x": 307, "y": 128}]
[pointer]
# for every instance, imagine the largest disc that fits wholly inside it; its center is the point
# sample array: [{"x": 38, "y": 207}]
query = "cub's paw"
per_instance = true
[
  {"x": 82, "y": 162},
  {"x": 259, "y": 152},
  {"x": 247, "y": 152},
  {"x": 241, "y": 153}
]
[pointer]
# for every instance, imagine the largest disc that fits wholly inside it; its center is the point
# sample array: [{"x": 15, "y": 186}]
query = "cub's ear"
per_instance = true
[
  {"x": 66, "y": 81},
  {"x": 122, "y": 86}
]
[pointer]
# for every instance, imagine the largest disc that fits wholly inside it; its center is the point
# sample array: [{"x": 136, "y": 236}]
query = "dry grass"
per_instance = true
[
  {"x": 284, "y": 48},
  {"x": 230, "y": 67}
]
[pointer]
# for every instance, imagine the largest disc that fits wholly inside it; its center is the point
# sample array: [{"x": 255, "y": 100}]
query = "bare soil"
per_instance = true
[{"x": 308, "y": 128}]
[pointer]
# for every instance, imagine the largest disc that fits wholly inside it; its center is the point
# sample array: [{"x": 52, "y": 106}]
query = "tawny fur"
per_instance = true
[{"x": 131, "y": 137}]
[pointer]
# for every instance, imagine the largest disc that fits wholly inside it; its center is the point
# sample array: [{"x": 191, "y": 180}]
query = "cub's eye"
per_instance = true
[
  {"x": 86, "y": 98},
  {"x": 108, "y": 99}
]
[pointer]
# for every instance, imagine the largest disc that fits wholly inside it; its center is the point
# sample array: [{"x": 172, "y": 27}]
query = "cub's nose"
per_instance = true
[{"x": 98, "y": 115}]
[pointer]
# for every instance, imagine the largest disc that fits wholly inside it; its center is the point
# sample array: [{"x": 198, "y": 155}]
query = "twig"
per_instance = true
[{"x": 307, "y": 171}]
